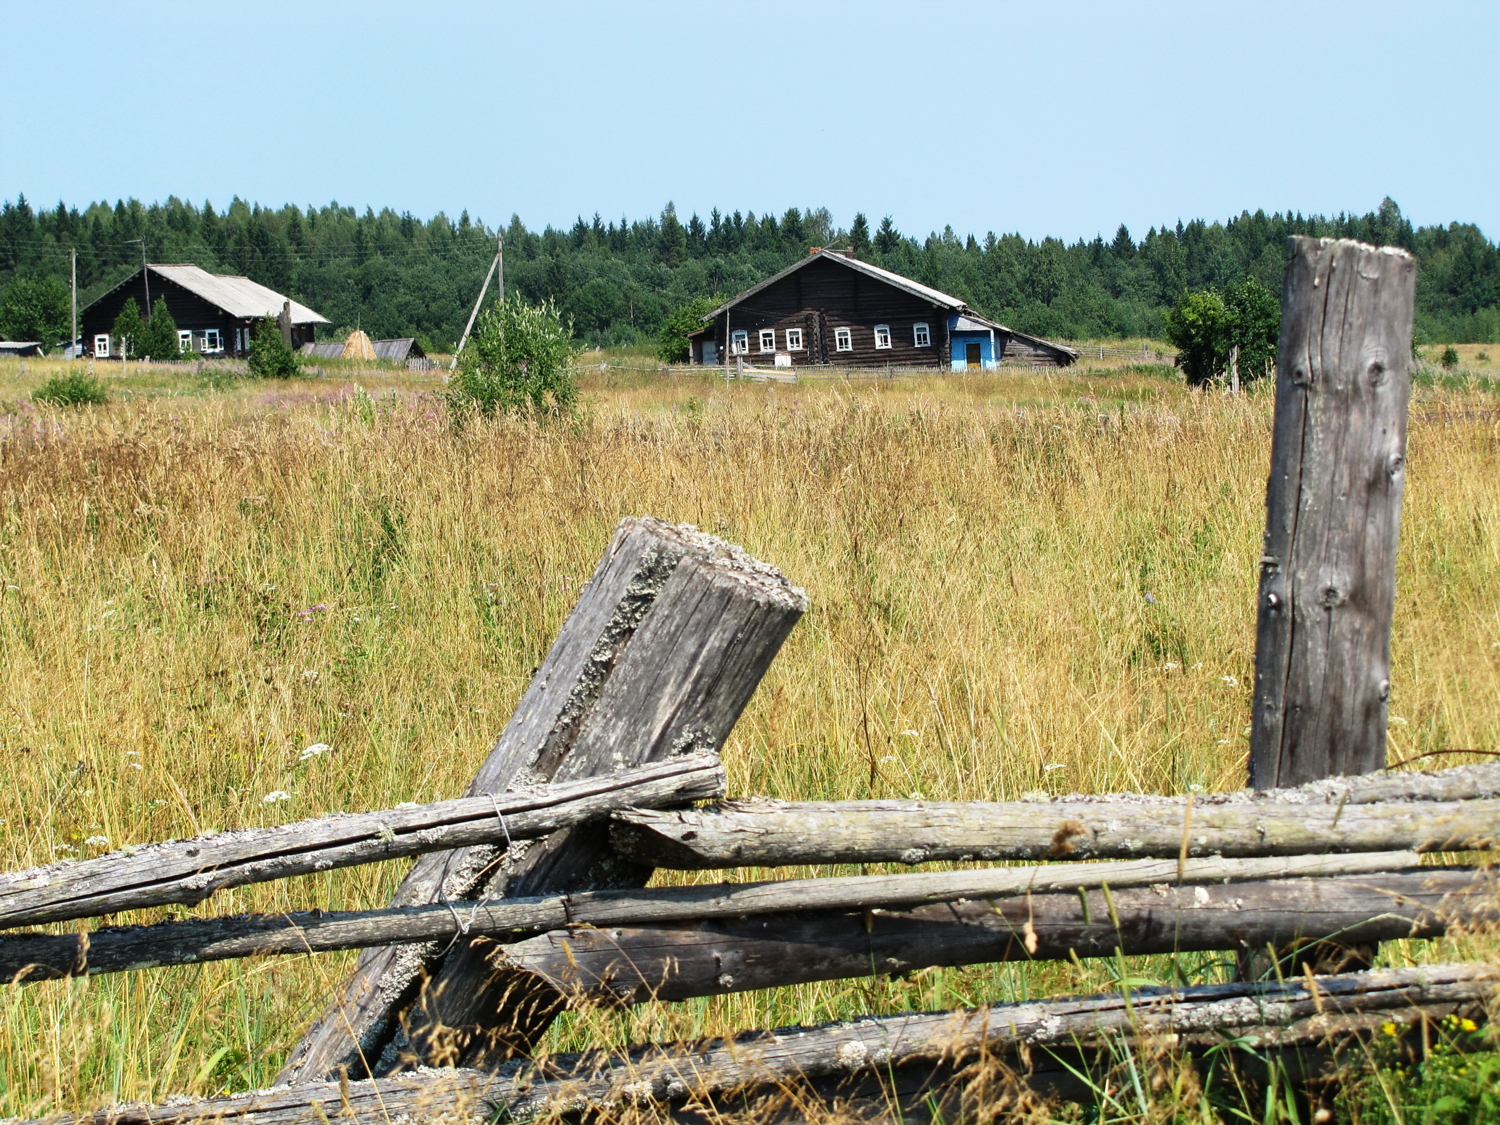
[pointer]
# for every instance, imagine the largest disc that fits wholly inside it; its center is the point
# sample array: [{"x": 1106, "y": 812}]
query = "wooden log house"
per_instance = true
[
  {"x": 832, "y": 308},
  {"x": 215, "y": 314}
]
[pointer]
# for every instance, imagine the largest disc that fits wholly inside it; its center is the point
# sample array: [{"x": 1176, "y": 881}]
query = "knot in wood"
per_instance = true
[
  {"x": 1376, "y": 372},
  {"x": 1331, "y": 597}
]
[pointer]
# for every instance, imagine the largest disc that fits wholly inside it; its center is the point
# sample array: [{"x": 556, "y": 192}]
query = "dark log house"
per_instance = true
[
  {"x": 215, "y": 313},
  {"x": 831, "y": 308}
]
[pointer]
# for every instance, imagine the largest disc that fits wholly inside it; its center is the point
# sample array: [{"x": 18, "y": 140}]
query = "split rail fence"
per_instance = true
[{"x": 528, "y": 894}]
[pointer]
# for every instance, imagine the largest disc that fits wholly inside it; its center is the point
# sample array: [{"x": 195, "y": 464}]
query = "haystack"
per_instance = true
[{"x": 358, "y": 346}]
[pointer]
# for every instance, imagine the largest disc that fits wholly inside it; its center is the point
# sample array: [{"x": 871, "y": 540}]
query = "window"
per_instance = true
[
  {"x": 882, "y": 335},
  {"x": 794, "y": 339},
  {"x": 101, "y": 347},
  {"x": 843, "y": 340},
  {"x": 184, "y": 341},
  {"x": 768, "y": 339},
  {"x": 211, "y": 341},
  {"x": 739, "y": 342},
  {"x": 921, "y": 337}
]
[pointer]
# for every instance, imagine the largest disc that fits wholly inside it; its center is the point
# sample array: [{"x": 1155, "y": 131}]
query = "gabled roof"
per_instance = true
[
  {"x": 906, "y": 284},
  {"x": 238, "y": 296}
]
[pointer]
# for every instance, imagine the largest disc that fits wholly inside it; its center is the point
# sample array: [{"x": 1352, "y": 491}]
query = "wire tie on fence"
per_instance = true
[{"x": 501, "y": 817}]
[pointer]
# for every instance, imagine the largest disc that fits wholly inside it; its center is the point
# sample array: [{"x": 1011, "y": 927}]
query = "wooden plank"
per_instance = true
[
  {"x": 35, "y": 956},
  {"x": 774, "y": 833},
  {"x": 189, "y": 871},
  {"x": 1298, "y": 1010},
  {"x": 1333, "y": 511},
  {"x": 660, "y": 655},
  {"x": 620, "y": 963}
]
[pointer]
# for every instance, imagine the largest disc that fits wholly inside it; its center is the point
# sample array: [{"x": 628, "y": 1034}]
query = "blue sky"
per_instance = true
[{"x": 1044, "y": 118}]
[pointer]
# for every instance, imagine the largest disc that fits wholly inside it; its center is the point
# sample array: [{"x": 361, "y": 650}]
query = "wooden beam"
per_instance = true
[
  {"x": 630, "y": 964},
  {"x": 1333, "y": 513},
  {"x": 1299, "y": 1010},
  {"x": 668, "y": 641},
  {"x": 189, "y": 871},
  {"x": 26, "y": 957},
  {"x": 777, "y": 833}
]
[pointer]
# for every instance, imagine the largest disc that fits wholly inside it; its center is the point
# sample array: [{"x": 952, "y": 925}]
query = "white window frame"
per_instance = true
[
  {"x": 184, "y": 340},
  {"x": 767, "y": 340},
  {"x": 101, "y": 347},
  {"x": 882, "y": 333},
  {"x": 794, "y": 340},
  {"x": 921, "y": 335},
  {"x": 843, "y": 340},
  {"x": 739, "y": 342},
  {"x": 212, "y": 340}
]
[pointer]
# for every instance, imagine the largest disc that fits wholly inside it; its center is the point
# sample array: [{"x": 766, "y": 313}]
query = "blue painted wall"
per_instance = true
[{"x": 961, "y": 342}]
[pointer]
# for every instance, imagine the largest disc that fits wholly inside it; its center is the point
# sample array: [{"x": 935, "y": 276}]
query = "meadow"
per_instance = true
[{"x": 1020, "y": 581}]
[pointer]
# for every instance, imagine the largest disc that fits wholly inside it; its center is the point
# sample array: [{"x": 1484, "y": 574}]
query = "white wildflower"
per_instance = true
[
  {"x": 1230, "y": 680},
  {"x": 97, "y": 842},
  {"x": 912, "y": 733},
  {"x": 275, "y": 795},
  {"x": 1170, "y": 666},
  {"x": 316, "y": 750},
  {"x": 1050, "y": 766}
]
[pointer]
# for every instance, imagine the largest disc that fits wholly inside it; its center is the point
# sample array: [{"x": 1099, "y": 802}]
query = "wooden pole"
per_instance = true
[
  {"x": 667, "y": 643},
  {"x": 127, "y": 948},
  {"x": 757, "y": 834},
  {"x": 1299, "y": 1010},
  {"x": 483, "y": 289},
  {"x": 189, "y": 871},
  {"x": 632, "y": 964},
  {"x": 1333, "y": 507}
]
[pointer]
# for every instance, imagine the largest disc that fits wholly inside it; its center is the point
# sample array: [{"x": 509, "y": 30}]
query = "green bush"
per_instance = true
[
  {"x": 35, "y": 308},
  {"x": 673, "y": 337},
  {"x": 519, "y": 361},
  {"x": 270, "y": 356},
  {"x": 76, "y": 388},
  {"x": 1449, "y": 358},
  {"x": 1206, "y": 325}
]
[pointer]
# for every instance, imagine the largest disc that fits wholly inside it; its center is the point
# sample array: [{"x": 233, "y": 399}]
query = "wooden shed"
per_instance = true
[
  {"x": 831, "y": 308},
  {"x": 215, "y": 314}
]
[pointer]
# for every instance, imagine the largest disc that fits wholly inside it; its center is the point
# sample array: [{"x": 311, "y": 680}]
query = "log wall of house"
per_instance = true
[{"x": 823, "y": 297}]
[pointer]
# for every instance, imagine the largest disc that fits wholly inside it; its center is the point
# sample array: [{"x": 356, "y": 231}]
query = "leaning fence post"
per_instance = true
[{"x": 1333, "y": 511}]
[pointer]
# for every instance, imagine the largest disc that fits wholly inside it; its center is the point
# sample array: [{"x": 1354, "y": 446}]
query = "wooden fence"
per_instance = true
[{"x": 528, "y": 893}]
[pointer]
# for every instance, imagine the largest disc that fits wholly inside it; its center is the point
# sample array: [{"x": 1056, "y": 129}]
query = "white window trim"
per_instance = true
[
  {"x": 739, "y": 342},
  {"x": 843, "y": 340},
  {"x": 213, "y": 340},
  {"x": 767, "y": 348},
  {"x": 919, "y": 330},
  {"x": 101, "y": 347},
  {"x": 184, "y": 340},
  {"x": 882, "y": 330},
  {"x": 794, "y": 334}
]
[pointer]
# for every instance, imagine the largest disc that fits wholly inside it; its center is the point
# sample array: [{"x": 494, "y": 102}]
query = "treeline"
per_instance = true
[{"x": 396, "y": 275}]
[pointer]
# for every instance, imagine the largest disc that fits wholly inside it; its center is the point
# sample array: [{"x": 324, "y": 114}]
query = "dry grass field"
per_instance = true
[{"x": 1019, "y": 582}]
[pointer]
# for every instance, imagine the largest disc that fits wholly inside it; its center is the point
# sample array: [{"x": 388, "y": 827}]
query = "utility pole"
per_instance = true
[
  {"x": 73, "y": 342},
  {"x": 145, "y": 275},
  {"x": 497, "y": 264}
]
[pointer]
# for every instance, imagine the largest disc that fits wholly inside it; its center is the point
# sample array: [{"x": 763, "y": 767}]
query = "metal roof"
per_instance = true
[
  {"x": 238, "y": 296},
  {"x": 395, "y": 349},
  {"x": 915, "y": 288},
  {"x": 333, "y": 350}
]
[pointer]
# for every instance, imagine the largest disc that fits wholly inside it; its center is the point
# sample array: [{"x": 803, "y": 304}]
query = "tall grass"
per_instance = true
[{"x": 1019, "y": 583}]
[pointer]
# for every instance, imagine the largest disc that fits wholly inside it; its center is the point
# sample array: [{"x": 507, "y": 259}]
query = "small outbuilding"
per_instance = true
[
  {"x": 831, "y": 308},
  {"x": 215, "y": 314},
  {"x": 20, "y": 348}
]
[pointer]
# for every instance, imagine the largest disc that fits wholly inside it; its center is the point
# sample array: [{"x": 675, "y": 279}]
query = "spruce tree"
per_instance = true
[
  {"x": 158, "y": 337},
  {"x": 270, "y": 357},
  {"x": 859, "y": 235},
  {"x": 128, "y": 329}
]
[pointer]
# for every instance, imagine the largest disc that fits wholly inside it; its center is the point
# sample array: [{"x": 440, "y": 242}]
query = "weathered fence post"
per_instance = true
[
  {"x": 1333, "y": 510},
  {"x": 665, "y": 647}
]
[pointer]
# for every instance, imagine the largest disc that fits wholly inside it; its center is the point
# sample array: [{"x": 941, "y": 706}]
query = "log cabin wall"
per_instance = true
[
  {"x": 823, "y": 297},
  {"x": 190, "y": 312}
]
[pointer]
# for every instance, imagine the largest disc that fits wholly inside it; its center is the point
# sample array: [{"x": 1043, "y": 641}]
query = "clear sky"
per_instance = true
[{"x": 1040, "y": 117}]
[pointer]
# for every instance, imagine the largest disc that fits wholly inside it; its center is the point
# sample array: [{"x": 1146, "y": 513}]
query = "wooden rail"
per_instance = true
[
  {"x": 1299, "y": 1010},
  {"x": 188, "y": 871},
  {"x": 758, "y": 833},
  {"x": 30, "y": 957}
]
